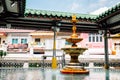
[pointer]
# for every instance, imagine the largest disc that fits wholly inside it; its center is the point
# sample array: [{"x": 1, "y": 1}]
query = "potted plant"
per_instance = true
[{"x": 2, "y": 53}]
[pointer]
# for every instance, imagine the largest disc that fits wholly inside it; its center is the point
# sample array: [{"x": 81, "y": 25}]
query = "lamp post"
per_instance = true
[
  {"x": 106, "y": 50},
  {"x": 55, "y": 29},
  {"x": 106, "y": 65}
]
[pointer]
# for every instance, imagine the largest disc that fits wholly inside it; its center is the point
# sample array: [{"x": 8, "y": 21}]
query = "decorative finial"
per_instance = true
[
  {"x": 74, "y": 18},
  {"x": 74, "y": 35}
]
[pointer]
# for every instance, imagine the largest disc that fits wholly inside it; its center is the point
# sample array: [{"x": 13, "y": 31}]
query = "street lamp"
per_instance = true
[{"x": 55, "y": 29}]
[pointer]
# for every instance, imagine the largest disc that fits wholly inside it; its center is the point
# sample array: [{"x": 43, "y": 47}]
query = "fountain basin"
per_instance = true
[
  {"x": 74, "y": 40},
  {"x": 74, "y": 70},
  {"x": 74, "y": 50},
  {"x": 73, "y": 66}
]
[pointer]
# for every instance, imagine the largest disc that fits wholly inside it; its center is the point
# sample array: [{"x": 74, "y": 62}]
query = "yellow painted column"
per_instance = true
[{"x": 54, "y": 59}]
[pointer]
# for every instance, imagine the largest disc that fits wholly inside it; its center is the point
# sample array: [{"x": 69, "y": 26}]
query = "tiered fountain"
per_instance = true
[{"x": 74, "y": 65}]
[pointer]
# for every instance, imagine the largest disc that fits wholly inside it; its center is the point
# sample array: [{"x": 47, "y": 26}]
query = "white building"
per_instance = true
[{"x": 30, "y": 42}]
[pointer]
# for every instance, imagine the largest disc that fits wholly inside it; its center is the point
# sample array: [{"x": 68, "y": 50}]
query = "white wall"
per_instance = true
[
  {"x": 60, "y": 43},
  {"x": 22, "y": 35}
]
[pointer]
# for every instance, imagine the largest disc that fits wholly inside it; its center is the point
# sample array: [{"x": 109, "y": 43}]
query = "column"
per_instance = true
[{"x": 106, "y": 50}]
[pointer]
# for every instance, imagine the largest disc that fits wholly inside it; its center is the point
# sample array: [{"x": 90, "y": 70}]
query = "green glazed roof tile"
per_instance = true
[
  {"x": 37, "y": 13},
  {"x": 58, "y": 14},
  {"x": 109, "y": 11},
  {"x": 67, "y": 14}
]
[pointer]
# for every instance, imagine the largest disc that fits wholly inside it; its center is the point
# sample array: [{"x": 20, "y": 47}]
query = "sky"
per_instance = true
[{"x": 94, "y": 7}]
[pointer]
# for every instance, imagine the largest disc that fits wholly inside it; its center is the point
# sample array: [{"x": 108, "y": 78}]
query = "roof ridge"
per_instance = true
[
  {"x": 109, "y": 11},
  {"x": 60, "y": 12}
]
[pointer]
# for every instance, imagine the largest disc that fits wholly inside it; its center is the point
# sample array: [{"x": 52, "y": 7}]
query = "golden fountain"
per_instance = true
[{"x": 74, "y": 65}]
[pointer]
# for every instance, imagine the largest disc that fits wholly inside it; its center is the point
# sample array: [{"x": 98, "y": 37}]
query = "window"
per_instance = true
[
  {"x": 0, "y": 40},
  {"x": 89, "y": 38},
  {"x": 23, "y": 41},
  {"x": 14, "y": 41},
  {"x": 68, "y": 43},
  {"x": 117, "y": 47},
  {"x": 100, "y": 38},
  {"x": 37, "y": 41},
  {"x": 95, "y": 37}
]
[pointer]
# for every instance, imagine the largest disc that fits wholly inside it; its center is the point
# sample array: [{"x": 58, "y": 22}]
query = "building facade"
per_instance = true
[{"x": 42, "y": 41}]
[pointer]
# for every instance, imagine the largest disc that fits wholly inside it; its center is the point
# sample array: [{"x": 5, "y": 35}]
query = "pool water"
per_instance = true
[{"x": 50, "y": 74}]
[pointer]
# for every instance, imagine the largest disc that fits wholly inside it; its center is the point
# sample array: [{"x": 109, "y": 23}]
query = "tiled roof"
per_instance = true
[
  {"x": 34, "y": 12},
  {"x": 109, "y": 11},
  {"x": 58, "y": 14}
]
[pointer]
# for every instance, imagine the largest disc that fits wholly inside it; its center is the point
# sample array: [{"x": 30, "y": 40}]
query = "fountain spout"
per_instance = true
[{"x": 74, "y": 20}]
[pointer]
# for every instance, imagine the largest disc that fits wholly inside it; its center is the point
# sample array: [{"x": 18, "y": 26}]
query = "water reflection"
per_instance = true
[
  {"x": 49, "y": 74},
  {"x": 75, "y": 77},
  {"x": 54, "y": 77},
  {"x": 107, "y": 76}
]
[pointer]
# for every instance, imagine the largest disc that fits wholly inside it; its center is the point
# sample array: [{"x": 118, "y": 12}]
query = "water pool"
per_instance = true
[{"x": 50, "y": 74}]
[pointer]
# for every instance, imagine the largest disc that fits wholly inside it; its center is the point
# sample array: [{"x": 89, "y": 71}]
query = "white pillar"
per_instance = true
[
  {"x": 31, "y": 50},
  {"x": 26, "y": 65},
  {"x": 91, "y": 65},
  {"x": 117, "y": 49}
]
